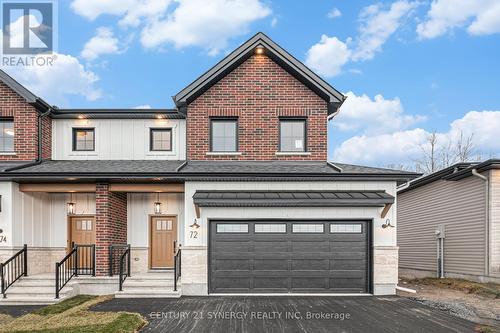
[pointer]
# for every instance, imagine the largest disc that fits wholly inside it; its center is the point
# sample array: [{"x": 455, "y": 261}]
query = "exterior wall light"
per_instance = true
[
  {"x": 71, "y": 206},
  {"x": 157, "y": 204},
  {"x": 259, "y": 50},
  {"x": 387, "y": 224}
]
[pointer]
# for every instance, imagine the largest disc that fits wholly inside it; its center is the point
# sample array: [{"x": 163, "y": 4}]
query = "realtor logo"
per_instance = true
[{"x": 28, "y": 28}]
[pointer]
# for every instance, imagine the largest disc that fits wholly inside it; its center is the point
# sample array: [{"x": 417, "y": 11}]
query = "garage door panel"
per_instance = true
[{"x": 274, "y": 261}]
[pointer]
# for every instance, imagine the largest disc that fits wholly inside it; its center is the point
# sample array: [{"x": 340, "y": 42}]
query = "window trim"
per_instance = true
[
  {"x": 75, "y": 130},
  {"x": 13, "y": 151},
  {"x": 308, "y": 232},
  {"x": 236, "y": 137},
  {"x": 231, "y": 232},
  {"x": 152, "y": 129},
  {"x": 292, "y": 119},
  {"x": 270, "y": 232},
  {"x": 346, "y": 232}
]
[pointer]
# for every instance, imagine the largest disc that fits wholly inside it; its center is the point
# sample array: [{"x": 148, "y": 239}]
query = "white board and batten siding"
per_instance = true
[
  {"x": 461, "y": 207},
  {"x": 118, "y": 139}
]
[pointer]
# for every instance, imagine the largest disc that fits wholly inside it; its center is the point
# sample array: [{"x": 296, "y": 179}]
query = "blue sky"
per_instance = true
[{"x": 408, "y": 67}]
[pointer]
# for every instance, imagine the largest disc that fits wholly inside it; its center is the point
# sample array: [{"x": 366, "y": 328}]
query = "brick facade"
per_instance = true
[
  {"x": 25, "y": 127},
  {"x": 111, "y": 224},
  {"x": 258, "y": 92}
]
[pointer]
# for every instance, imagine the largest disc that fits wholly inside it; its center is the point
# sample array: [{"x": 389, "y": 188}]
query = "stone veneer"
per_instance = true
[{"x": 385, "y": 270}]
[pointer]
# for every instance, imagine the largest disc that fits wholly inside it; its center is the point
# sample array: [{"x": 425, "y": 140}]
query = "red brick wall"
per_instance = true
[
  {"x": 257, "y": 92},
  {"x": 111, "y": 224},
  {"x": 25, "y": 126}
]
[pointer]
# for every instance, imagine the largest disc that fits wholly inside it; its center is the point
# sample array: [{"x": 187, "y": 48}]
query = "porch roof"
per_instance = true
[{"x": 292, "y": 198}]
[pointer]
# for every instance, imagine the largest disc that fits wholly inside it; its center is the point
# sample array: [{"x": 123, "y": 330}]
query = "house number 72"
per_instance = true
[{"x": 193, "y": 234}]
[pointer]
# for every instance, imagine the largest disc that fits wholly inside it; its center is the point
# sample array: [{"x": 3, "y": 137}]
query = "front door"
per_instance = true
[
  {"x": 163, "y": 239},
  {"x": 82, "y": 230}
]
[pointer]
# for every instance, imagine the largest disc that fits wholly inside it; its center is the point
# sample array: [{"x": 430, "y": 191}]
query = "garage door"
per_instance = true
[{"x": 289, "y": 257}]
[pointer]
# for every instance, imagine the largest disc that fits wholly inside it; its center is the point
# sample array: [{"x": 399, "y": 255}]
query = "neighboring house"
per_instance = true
[
  {"x": 236, "y": 176},
  {"x": 464, "y": 202}
]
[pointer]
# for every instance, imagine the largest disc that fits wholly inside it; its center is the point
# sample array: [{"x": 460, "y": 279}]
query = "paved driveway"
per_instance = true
[{"x": 289, "y": 314}]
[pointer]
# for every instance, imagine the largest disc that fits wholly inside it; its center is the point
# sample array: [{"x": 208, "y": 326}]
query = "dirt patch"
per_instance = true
[{"x": 469, "y": 300}]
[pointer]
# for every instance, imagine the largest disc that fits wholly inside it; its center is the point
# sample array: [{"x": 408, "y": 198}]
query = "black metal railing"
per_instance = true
[
  {"x": 65, "y": 270},
  {"x": 124, "y": 267},
  {"x": 15, "y": 267},
  {"x": 177, "y": 267},
  {"x": 79, "y": 261},
  {"x": 114, "y": 254}
]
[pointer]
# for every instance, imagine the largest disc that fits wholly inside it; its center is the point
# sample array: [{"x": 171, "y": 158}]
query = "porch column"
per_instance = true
[{"x": 111, "y": 224}]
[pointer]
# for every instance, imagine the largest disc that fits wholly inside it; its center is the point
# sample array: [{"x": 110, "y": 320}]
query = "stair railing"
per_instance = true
[
  {"x": 79, "y": 261},
  {"x": 177, "y": 267},
  {"x": 124, "y": 267},
  {"x": 15, "y": 267}
]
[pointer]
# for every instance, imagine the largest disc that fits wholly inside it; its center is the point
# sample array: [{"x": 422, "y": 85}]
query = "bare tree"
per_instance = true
[
  {"x": 464, "y": 148},
  {"x": 429, "y": 161}
]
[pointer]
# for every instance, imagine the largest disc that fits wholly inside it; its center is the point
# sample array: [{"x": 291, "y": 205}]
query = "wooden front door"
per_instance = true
[
  {"x": 82, "y": 230},
  {"x": 163, "y": 231}
]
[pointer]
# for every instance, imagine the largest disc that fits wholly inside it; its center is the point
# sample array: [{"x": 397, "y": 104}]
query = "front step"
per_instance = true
[
  {"x": 151, "y": 285},
  {"x": 36, "y": 290}
]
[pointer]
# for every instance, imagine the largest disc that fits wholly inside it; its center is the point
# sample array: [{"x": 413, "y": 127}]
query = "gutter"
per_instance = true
[
  {"x": 40, "y": 144},
  {"x": 475, "y": 173}
]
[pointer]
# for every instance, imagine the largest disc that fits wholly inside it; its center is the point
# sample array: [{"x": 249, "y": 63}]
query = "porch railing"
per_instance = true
[
  {"x": 177, "y": 267},
  {"x": 115, "y": 252},
  {"x": 124, "y": 267},
  {"x": 15, "y": 267},
  {"x": 79, "y": 261}
]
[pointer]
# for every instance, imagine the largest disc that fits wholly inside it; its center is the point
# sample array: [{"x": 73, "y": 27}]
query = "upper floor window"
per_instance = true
[
  {"x": 6, "y": 135},
  {"x": 160, "y": 139},
  {"x": 83, "y": 139},
  {"x": 292, "y": 135},
  {"x": 224, "y": 135}
]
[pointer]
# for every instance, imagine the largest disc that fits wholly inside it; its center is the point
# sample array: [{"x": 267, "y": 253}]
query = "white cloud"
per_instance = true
[
  {"x": 104, "y": 42},
  {"x": 403, "y": 147},
  {"x": 334, "y": 13},
  {"x": 328, "y": 56},
  {"x": 207, "y": 24},
  {"x": 144, "y": 9},
  {"x": 377, "y": 25},
  {"x": 53, "y": 83},
  {"x": 373, "y": 116},
  {"x": 274, "y": 22},
  {"x": 145, "y": 106},
  {"x": 480, "y": 17},
  {"x": 92, "y": 9}
]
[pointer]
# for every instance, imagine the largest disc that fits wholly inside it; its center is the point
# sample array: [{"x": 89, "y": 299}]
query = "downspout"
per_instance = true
[
  {"x": 487, "y": 205},
  {"x": 39, "y": 158}
]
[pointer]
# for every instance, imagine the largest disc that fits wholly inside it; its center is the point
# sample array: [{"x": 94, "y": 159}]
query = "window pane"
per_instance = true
[
  {"x": 161, "y": 139},
  {"x": 224, "y": 135},
  {"x": 345, "y": 228},
  {"x": 232, "y": 228},
  {"x": 7, "y": 135},
  {"x": 292, "y": 134},
  {"x": 307, "y": 228},
  {"x": 270, "y": 228},
  {"x": 83, "y": 139}
]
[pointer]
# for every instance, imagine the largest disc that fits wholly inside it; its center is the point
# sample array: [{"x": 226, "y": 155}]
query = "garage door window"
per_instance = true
[
  {"x": 307, "y": 228},
  {"x": 232, "y": 228},
  {"x": 270, "y": 228},
  {"x": 345, "y": 228}
]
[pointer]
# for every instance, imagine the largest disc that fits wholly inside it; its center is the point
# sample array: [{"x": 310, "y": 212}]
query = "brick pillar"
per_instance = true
[{"x": 111, "y": 224}]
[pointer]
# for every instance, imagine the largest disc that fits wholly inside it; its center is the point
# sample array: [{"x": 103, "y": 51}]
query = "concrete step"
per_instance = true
[
  {"x": 151, "y": 284},
  {"x": 148, "y": 293}
]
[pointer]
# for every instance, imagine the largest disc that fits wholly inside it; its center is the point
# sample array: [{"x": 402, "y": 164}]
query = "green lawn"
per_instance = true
[{"x": 72, "y": 316}]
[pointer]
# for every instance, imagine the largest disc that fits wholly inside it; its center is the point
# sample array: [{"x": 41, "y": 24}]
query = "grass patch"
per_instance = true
[
  {"x": 64, "y": 305},
  {"x": 491, "y": 290},
  {"x": 73, "y": 316}
]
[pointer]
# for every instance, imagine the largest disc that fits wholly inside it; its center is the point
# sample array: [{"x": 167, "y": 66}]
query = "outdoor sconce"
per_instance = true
[
  {"x": 157, "y": 204},
  {"x": 71, "y": 206},
  {"x": 195, "y": 224},
  {"x": 387, "y": 224},
  {"x": 259, "y": 50}
]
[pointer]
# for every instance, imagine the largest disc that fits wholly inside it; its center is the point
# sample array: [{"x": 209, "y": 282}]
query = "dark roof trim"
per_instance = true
[
  {"x": 455, "y": 172},
  {"x": 22, "y": 91},
  {"x": 332, "y": 96},
  {"x": 117, "y": 113},
  {"x": 292, "y": 198}
]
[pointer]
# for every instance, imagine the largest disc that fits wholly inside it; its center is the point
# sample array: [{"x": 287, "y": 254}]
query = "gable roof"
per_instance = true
[
  {"x": 293, "y": 66},
  {"x": 22, "y": 91}
]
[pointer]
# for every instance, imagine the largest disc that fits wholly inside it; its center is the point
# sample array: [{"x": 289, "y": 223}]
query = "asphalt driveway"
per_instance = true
[{"x": 289, "y": 314}]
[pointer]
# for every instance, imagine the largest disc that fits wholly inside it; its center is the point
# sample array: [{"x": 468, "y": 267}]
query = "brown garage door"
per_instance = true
[{"x": 289, "y": 257}]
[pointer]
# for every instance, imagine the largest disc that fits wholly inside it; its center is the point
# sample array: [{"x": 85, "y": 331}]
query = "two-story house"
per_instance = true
[{"x": 232, "y": 189}]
